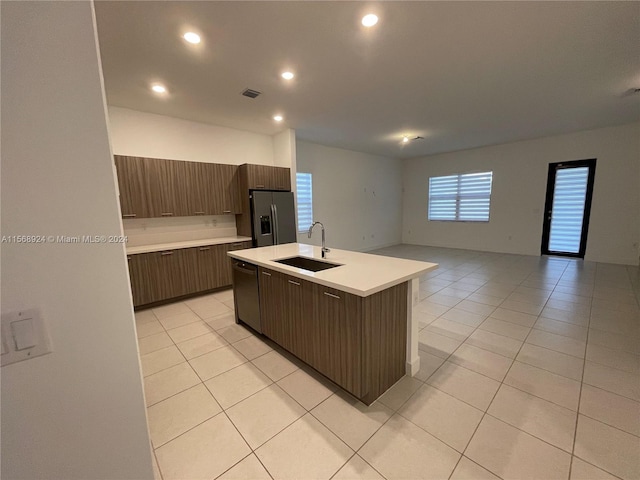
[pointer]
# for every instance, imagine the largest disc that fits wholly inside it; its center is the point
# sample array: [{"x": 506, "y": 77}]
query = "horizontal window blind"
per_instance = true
[
  {"x": 462, "y": 198},
  {"x": 568, "y": 209},
  {"x": 304, "y": 193}
]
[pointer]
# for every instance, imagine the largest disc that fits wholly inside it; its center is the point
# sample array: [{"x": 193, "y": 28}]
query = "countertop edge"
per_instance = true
[
  {"x": 302, "y": 274},
  {"x": 159, "y": 247}
]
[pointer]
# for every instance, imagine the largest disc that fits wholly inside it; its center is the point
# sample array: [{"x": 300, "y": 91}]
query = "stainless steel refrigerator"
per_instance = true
[{"x": 273, "y": 217}]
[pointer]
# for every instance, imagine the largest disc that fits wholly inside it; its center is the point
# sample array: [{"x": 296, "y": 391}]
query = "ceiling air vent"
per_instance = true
[{"x": 251, "y": 93}]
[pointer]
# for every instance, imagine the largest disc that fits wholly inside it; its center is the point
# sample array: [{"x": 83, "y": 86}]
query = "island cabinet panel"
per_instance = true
[
  {"x": 358, "y": 342},
  {"x": 273, "y": 303},
  {"x": 384, "y": 335},
  {"x": 336, "y": 332}
]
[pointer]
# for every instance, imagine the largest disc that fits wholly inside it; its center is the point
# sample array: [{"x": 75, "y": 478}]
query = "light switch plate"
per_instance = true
[{"x": 20, "y": 329}]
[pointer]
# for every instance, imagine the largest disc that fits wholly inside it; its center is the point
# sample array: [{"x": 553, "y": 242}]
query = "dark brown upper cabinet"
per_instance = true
[
  {"x": 168, "y": 187},
  {"x": 151, "y": 187},
  {"x": 133, "y": 184},
  {"x": 258, "y": 177},
  {"x": 226, "y": 196}
]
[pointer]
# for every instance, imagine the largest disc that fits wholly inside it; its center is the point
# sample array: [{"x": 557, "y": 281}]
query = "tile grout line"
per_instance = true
[
  {"x": 584, "y": 366},
  {"x": 485, "y": 413}
]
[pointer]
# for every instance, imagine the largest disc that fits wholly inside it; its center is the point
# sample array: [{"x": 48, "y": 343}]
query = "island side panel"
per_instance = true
[
  {"x": 413, "y": 358},
  {"x": 384, "y": 333}
]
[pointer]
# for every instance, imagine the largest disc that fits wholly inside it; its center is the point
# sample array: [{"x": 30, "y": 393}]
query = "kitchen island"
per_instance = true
[{"x": 352, "y": 322}]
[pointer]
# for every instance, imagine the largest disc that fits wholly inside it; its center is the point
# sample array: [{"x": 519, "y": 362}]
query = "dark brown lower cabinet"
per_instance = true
[
  {"x": 159, "y": 276},
  {"x": 357, "y": 342}
]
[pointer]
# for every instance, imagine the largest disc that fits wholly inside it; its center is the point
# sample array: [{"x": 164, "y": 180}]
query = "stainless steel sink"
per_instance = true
[{"x": 307, "y": 263}]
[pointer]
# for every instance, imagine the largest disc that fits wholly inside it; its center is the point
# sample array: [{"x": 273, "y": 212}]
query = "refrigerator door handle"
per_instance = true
[
  {"x": 276, "y": 229},
  {"x": 274, "y": 224}
]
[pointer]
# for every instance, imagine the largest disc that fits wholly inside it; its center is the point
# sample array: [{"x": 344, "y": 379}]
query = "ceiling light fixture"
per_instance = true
[
  {"x": 369, "y": 20},
  {"x": 287, "y": 75},
  {"x": 278, "y": 118},
  {"x": 405, "y": 139},
  {"x": 192, "y": 37},
  {"x": 159, "y": 88}
]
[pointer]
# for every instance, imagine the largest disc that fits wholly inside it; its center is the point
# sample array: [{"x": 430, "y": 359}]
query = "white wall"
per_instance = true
[
  {"x": 284, "y": 153},
  {"x": 157, "y": 136},
  {"x": 518, "y": 196},
  {"x": 77, "y": 413},
  {"x": 357, "y": 196}
]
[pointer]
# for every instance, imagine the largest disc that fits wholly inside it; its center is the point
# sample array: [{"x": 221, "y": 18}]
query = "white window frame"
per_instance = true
[
  {"x": 304, "y": 198},
  {"x": 452, "y": 190}
]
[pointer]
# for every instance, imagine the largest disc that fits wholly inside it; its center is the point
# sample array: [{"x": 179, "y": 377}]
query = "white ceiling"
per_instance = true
[{"x": 460, "y": 74}]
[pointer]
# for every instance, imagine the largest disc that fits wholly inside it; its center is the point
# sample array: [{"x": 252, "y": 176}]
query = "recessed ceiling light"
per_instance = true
[
  {"x": 405, "y": 139},
  {"x": 192, "y": 37},
  {"x": 369, "y": 20},
  {"x": 287, "y": 75},
  {"x": 278, "y": 118},
  {"x": 158, "y": 88}
]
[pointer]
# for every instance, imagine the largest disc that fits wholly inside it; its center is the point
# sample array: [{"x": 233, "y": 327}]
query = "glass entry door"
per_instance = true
[{"x": 567, "y": 208}]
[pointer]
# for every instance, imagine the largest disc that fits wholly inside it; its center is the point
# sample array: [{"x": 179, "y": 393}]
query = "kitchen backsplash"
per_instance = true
[{"x": 149, "y": 231}]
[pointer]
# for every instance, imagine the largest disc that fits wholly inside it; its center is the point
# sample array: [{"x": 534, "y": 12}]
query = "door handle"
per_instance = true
[
  {"x": 277, "y": 224},
  {"x": 274, "y": 224},
  {"x": 331, "y": 295},
  {"x": 266, "y": 273},
  {"x": 294, "y": 283}
]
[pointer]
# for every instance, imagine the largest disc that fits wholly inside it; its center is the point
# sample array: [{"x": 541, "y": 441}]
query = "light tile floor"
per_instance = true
[{"x": 530, "y": 368}]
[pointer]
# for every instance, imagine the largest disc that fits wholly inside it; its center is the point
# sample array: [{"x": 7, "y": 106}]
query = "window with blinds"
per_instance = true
[
  {"x": 304, "y": 194},
  {"x": 460, "y": 198}
]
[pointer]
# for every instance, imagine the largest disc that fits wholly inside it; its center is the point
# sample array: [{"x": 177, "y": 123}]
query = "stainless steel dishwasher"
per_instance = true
[{"x": 246, "y": 295}]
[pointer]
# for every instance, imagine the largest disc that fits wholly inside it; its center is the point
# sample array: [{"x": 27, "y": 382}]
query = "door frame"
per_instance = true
[{"x": 548, "y": 206}]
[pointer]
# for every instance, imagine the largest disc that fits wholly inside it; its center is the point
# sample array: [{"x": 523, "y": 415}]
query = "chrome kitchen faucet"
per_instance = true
[{"x": 325, "y": 250}]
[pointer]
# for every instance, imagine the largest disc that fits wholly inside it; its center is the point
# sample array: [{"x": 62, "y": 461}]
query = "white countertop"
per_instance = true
[
  {"x": 157, "y": 247},
  {"x": 360, "y": 273}
]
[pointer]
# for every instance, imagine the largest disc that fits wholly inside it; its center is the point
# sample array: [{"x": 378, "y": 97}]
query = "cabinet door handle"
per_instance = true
[
  {"x": 166, "y": 253},
  {"x": 167, "y": 214},
  {"x": 259, "y": 186},
  {"x": 266, "y": 273},
  {"x": 281, "y": 187},
  {"x": 128, "y": 215},
  {"x": 226, "y": 211},
  {"x": 331, "y": 295},
  {"x": 128, "y": 258},
  {"x": 294, "y": 283},
  {"x": 198, "y": 213},
  {"x": 204, "y": 249},
  {"x": 236, "y": 244}
]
